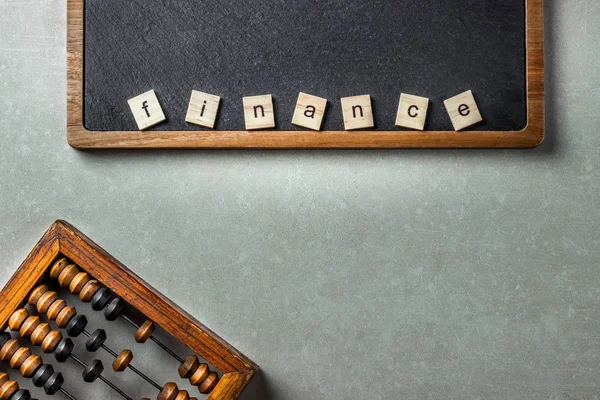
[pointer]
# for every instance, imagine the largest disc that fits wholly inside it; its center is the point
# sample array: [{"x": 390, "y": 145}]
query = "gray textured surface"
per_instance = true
[
  {"x": 328, "y": 48},
  {"x": 371, "y": 274}
]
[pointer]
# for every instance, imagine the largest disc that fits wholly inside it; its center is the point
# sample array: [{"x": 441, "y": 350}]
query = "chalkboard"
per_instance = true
[{"x": 328, "y": 48}]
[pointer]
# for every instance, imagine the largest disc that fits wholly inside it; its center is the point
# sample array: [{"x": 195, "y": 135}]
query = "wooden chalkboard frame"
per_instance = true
[
  {"x": 63, "y": 240},
  {"x": 532, "y": 135}
]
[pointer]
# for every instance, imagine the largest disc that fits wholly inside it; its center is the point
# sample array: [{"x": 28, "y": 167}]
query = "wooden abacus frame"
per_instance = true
[
  {"x": 533, "y": 134},
  {"x": 63, "y": 239}
]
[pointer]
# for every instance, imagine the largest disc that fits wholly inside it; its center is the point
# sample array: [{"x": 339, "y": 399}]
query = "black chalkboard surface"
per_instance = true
[
  {"x": 333, "y": 49},
  {"x": 329, "y": 48}
]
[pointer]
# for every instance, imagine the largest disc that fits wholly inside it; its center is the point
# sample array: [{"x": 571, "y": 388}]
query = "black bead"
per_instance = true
[
  {"x": 4, "y": 337},
  {"x": 63, "y": 350},
  {"x": 96, "y": 340},
  {"x": 54, "y": 384},
  {"x": 101, "y": 299},
  {"x": 43, "y": 373},
  {"x": 76, "y": 325},
  {"x": 21, "y": 394},
  {"x": 114, "y": 309},
  {"x": 93, "y": 371}
]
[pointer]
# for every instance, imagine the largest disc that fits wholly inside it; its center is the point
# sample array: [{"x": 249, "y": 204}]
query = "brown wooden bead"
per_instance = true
[
  {"x": 79, "y": 282},
  {"x": 17, "y": 318},
  {"x": 122, "y": 361},
  {"x": 8, "y": 389},
  {"x": 209, "y": 384},
  {"x": 89, "y": 290},
  {"x": 144, "y": 331},
  {"x": 9, "y": 348},
  {"x": 51, "y": 341},
  {"x": 168, "y": 392},
  {"x": 57, "y": 267},
  {"x": 29, "y": 325},
  {"x": 193, "y": 398},
  {"x": 45, "y": 301},
  {"x": 39, "y": 333},
  {"x": 200, "y": 374},
  {"x": 19, "y": 357},
  {"x": 55, "y": 308},
  {"x": 30, "y": 365},
  {"x": 65, "y": 315},
  {"x": 188, "y": 366},
  {"x": 3, "y": 378},
  {"x": 36, "y": 293},
  {"x": 182, "y": 395},
  {"x": 67, "y": 275}
]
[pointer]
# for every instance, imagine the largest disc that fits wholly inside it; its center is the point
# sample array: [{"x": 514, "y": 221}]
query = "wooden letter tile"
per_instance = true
[
  {"x": 146, "y": 110},
  {"x": 463, "y": 110},
  {"x": 258, "y": 112},
  {"x": 358, "y": 113},
  {"x": 412, "y": 112},
  {"x": 203, "y": 109},
  {"x": 309, "y": 111}
]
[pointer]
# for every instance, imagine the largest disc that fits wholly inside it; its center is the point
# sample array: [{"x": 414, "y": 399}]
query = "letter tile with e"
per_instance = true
[
  {"x": 463, "y": 110},
  {"x": 146, "y": 110},
  {"x": 309, "y": 111},
  {"x": 259, "y": 112},
  {"x": 412, "y": 112},
  {"x": 358, "y": 112}
]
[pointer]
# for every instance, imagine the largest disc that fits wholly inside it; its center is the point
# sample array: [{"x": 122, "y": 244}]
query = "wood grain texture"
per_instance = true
[
  {"x": 63, "y": 239},
  {"x": 532, "y": 135}
]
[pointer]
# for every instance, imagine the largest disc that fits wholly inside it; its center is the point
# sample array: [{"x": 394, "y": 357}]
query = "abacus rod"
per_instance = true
[
  {"x": 150, "y": 381},
  {"x": 155, "y": 340},
  {"x": 113, "y": 387},
  {"x": 63, "y": 391},
  {"x": 78, "y": 361}
]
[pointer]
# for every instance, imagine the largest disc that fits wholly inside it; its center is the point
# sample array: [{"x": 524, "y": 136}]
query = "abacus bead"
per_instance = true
[
  {"x": 168, "y": 392},
  {"x": 200, "y": 375},
  {"x": 54, "y": 383},
  {"x": 17, "y": 318},
  {"x": 182, "y": 395},
  {"x": 58, "y": 267},
  {"x": 8, "y": 389},
  {"x": 51, "y": 340},
  {"x": 30, "y": 365},
  {"x": 36, "y": 293},
  {"x": 41, "y": 376},
  {"x": 21, "y": 394},
  {"x": 76, "y": 325},
  {"x": 64, "y": 350},
  {"x": 39, "y": 333},
  {"x": 89, "y": 290},
  {"x": 114, "y": 309},
  {"x": 65, "y": 315},
  {"x": 19, "y": 357},
  {"x": 209, "y": 384},
  {"x": 67, "y": 275},
  {"x": 96, "y": 340},
  {"x": 122, "y": 361},
  {"x": 45, "y": 301},
  {"x": 9, "y": 348},
  {"x": 144, "y": 331},
  {"x": 101, "y": 299},
  {"x": 3, "y": 378},
  {"x": 188, "y": 366},
  {"x": 78, "y": 282},
  {"x": 29, "y": 325},
  {"x": 93, "y": 371},
  {"x": 55, "y": 308}
]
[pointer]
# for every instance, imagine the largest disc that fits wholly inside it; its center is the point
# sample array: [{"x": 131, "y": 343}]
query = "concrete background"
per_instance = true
[{"x": 343, "y": 274}]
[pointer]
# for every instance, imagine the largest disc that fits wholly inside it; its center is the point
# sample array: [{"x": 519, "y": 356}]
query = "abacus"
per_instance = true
[{"x": 31, "y": 309}]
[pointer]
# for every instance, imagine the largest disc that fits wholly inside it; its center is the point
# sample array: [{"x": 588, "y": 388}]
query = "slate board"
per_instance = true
[{"x": 329, "y": 48}]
